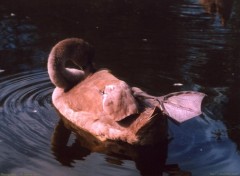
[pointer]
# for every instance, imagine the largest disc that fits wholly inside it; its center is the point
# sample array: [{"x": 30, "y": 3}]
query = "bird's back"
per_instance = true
[{"x": 104, "y": 95}]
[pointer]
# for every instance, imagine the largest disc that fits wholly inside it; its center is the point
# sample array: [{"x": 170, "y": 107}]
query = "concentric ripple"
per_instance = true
[
  {"x": 27, "y": 118},
  {"x": 25, "y": 91}
]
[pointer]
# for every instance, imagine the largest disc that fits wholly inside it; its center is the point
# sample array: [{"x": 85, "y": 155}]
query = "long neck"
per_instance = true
[{"x": 60, "y": 76}]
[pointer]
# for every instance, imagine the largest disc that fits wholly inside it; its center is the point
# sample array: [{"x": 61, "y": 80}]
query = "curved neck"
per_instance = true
[
  {"x": 76, "y": 50},
  {"x": 60, "y": 76}
]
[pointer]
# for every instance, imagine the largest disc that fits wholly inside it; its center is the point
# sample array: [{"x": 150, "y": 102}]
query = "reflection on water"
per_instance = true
[
  {"x": 149, "y": 160},
  {"x": 223, "y": 8},
  {"x": 151, "y": 44},
  {"x": 203, "y": 145},
  {"x": 18, "y": 46},
  {"x": 16, "y": 33}
]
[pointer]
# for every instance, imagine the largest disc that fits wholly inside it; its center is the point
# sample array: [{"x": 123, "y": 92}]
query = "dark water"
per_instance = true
[{"x": 150, "y": 44}]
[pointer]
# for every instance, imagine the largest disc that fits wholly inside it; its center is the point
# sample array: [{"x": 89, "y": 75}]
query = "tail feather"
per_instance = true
[{"x": 182, "y": 106}]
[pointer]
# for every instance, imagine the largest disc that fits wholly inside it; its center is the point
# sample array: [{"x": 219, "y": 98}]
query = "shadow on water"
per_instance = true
[
  {"x": 149, "y": 160},
  {"x": 155, "y": 45}
]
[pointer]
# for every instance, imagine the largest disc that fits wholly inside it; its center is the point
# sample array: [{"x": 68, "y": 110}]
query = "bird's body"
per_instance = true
[{"x": 100, "y": 103}]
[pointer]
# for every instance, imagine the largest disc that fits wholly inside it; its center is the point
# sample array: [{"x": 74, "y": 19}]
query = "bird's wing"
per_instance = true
[{"x": 118, "y": 101}]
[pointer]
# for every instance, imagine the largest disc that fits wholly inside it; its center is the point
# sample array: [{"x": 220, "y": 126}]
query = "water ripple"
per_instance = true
[
  {"x": 25, "y": 91},
  {"x": 28, "y": 117}
]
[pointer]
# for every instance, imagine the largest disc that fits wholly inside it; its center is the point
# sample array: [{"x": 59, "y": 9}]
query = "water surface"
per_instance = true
[{"x": 150, "y": 44}]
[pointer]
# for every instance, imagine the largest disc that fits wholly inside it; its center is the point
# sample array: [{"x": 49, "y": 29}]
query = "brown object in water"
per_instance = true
[{"x": 108, "y": 108}]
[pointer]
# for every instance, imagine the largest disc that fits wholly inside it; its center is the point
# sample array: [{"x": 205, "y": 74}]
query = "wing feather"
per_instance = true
[{"x": 118, "y": 101}]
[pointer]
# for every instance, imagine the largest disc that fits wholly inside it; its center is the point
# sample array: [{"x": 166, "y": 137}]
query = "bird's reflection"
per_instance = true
[
  {"x": 222, "y": 8},
  {"x": 149, "y": 160}
]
